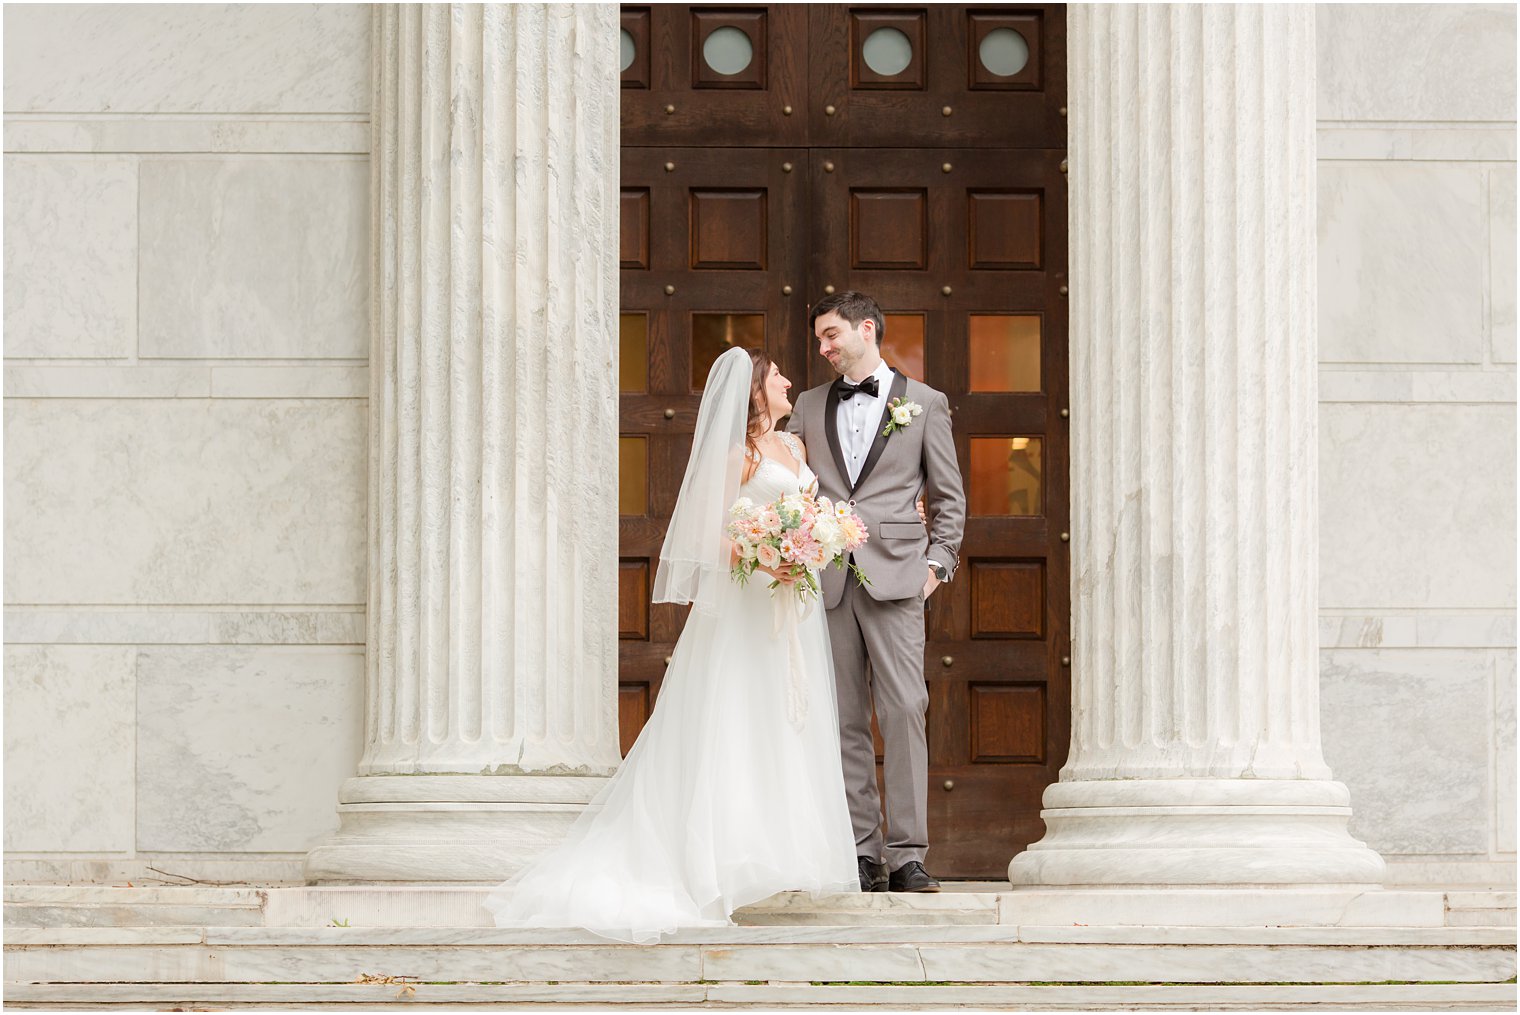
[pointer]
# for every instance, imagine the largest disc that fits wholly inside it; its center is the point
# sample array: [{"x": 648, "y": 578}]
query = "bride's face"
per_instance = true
[{"x": 776, "y": 387}]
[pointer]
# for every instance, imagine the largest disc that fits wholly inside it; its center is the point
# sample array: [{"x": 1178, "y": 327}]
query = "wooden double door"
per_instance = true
[{"x": 773, "y": 154}]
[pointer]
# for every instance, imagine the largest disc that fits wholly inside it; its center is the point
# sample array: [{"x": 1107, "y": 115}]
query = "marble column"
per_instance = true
[
  {"x": 1195, "y": 749},
  {"x": 490, "y": 714}
]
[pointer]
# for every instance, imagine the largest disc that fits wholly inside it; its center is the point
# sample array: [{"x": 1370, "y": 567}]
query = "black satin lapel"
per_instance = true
[
  {"x": 898, "y": 390},
  {"x": 831, "y": 431}
]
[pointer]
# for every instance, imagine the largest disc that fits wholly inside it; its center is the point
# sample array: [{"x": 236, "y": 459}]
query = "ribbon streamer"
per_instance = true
[{"x": 791, "y": 610}]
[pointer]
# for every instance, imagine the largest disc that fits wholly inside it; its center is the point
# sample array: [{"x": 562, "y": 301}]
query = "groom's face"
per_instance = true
[{"x": 841, "y": 343}]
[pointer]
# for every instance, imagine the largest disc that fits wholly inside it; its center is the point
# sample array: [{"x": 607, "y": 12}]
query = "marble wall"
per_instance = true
[
  {"x": 186, "y": 343},
  {"x": 1417, "y": 430},
  {"x": 186, "y": 346}
]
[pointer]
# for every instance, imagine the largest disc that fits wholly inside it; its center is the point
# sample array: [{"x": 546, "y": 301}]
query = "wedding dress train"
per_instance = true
[{"x": 733, "y": 791}]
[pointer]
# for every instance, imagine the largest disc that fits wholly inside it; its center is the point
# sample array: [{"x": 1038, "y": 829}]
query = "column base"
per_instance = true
[
  {"x": 1151, "y": 832},
  {"x": 446, "y": 827}
]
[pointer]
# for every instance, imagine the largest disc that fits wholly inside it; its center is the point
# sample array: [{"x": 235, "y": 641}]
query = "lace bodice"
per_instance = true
[{"x": 774, "y": 478}]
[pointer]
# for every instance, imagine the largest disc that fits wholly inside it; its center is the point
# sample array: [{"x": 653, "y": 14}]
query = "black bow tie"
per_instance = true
[{"x": 848, "y": 391}]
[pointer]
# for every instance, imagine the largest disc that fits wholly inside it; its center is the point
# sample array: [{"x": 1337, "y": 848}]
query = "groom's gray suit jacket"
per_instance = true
[{"x": 915, "y": 459}]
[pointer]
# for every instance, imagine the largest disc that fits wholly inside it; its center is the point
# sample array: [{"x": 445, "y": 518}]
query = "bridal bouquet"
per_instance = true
[{"x": 796, "y": 529}]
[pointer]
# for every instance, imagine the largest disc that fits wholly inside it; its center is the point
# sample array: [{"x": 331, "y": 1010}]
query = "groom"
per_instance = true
[{"x": 883, "y": 461}]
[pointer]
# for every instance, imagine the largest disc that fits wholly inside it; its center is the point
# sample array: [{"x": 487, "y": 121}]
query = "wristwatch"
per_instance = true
[{"x": 939, "y": 571}]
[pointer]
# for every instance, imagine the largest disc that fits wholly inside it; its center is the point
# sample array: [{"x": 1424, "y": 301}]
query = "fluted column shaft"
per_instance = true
[
  {"x": 1195, "y": 752},
  {"x": 492, "y": 651}
]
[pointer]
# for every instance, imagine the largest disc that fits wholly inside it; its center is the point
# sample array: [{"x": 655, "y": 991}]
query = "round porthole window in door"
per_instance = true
[
  {"x": 728, "y": 50},
  {"x": 887, "y": 52}
]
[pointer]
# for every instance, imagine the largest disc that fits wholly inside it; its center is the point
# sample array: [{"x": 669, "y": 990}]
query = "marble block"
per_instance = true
[
  {"x": 185, "y": 501},
  {"x": 1417, "y": 506},
  {"x": 1501, "y": 263},
  {"x": 1504, "y": 751},
  {"x": 243, "y": 749},
  {"x": 179, "y": 58},
  {"x": 1401, "y": 269},
  {"x": 255, "y": 257},
  {"x": 1416, "y": 61},
  {"x": 69, "y": 747},
  {"x": 1407, "y": 731},
  {"x": 70, "y": 256}
]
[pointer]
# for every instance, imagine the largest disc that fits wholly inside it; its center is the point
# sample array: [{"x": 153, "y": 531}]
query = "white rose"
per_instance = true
[
  {"x": 746, "y": 549},
  {"x": 826, "y": 530},
  {"x": 901, "y": 415}
]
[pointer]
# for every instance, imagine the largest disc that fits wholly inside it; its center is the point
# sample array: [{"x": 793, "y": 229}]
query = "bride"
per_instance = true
[{"x": 733, "y": 791}]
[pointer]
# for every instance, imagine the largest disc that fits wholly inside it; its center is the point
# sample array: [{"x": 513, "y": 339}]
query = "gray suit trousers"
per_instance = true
[{"x": 889, "y": 635}]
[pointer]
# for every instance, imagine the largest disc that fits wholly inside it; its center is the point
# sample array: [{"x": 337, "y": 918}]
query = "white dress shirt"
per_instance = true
[{"x": 859, "y": 420}]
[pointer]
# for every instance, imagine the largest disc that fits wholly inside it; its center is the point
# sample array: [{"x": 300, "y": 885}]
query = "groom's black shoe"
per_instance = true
[
  {"x": 911, "y": 877},
  {"x": 873, "y": 875}
]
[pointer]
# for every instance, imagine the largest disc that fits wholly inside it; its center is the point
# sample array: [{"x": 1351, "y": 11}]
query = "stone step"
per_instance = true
[
  {"x": 1480, "y": 909},
  {"x": 933, "y": 997},
  {"x": 933, "y": 954},
  {"x": 460, "y": 906}
]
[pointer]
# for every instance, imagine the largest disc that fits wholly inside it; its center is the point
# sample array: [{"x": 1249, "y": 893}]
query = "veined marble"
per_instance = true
[
  {"x": 254, "y": 257},
  {"x": 1414, "y": 384},
  {"x": 1418, "y": 630},
  {"x": 70, "y": 256},
  {"x": 242, "y": 749},
  {"x": 244, "y": 135},
  {"x": 290, "y": 382},
  {"x": 1416, "y": 61},
  {"x": 1417, "y": 506},
  {"x": 1408, "y": 732},
  {"x": 69, "y": 741},
  {"x": 1504, "y": 752},
  {"x": 171, "y": 58},
  {"x": 1501, "y": 262},
  {"x": 76, "y": 380},
  {"x": 1400, "y": 278},
  {"x": 138, "y": 501},
  {"x": 1355, "y": 140},
  {"x": 177, "y": 627}
]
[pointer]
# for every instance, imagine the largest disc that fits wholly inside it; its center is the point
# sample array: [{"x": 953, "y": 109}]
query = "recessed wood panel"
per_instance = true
[
  {"x": 1007, "y": 599},
  {"x": 633, "y": 598},
  {"x": 728, "y": 229},
  {"x": 1003, "y": 230},
  {"x": 889, "y": 229},
  {"x": 709, "y": 68},
  {"x": 987, "y": 58},
  {"x": 633, "y": 713},
  {"x": 633, "y": 228},
  {"x": 636, "y": 24},
  {"x": 1007, "y": 723},
  {"x": 867, "y": 47}
]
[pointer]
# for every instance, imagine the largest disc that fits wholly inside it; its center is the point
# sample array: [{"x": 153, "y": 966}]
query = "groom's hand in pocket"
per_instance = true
[{"x": 930, "y": 585}]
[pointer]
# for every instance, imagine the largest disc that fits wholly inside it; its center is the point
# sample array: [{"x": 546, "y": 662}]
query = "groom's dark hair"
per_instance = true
[{"x": 853, "y": 307}]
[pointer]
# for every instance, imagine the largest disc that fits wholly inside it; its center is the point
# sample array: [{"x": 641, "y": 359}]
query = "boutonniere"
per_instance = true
[{"x": 900, "y": 412}]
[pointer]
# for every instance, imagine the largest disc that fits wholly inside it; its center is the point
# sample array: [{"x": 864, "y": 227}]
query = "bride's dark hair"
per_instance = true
[{"x": 759, "y": 406}]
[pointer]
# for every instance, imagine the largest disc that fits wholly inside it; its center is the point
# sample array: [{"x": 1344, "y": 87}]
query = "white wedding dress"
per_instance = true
[{"x": 733, "y": 791}]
